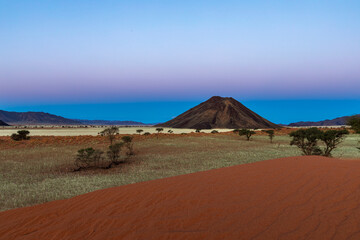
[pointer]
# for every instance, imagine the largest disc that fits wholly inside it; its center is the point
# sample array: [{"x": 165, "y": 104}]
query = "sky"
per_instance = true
[{"x": 151, "y": 60}]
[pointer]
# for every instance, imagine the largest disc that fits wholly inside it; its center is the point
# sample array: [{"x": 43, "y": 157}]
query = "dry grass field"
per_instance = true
[{"x": 41, "y": 169}]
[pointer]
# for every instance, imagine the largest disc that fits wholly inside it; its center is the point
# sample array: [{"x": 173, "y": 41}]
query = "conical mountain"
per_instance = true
[
  {"x": 219, "y": 112},
  {"x": 3, "y": 123}
]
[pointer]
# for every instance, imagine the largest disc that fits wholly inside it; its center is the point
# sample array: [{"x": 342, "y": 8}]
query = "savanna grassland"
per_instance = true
[{"x": 42, "y": 169}]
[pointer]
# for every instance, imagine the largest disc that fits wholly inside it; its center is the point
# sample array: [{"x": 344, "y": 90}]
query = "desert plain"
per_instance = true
[{"x": 177, "y": 186}]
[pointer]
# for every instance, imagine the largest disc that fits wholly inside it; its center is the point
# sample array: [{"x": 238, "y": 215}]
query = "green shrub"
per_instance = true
[
  {"x": 89, "y": 157},
  {"x": 147, "y": 133},
  {"x": 198, "y": 130},
  {"x": 214, "y": 131},
  {"x": 127, "y": 141},
  {"x": 114, "y": 153}
]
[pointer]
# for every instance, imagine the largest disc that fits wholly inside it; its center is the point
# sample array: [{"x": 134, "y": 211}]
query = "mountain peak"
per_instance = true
[{"x": 219, "y": 112}]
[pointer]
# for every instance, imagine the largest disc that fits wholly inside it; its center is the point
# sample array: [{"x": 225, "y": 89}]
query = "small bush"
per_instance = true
[
  {"x": 89, "y": 157},
  {"x": 114, "y": 153},
  {"x": 21, "y": 135},
  {"x": 170, "y": 131},
  {"x": 127, "y": 141},
  {"x": 147, "y": 133},
  {"x": 214, "y": 131},
  {"x": 198, "y": 130}
]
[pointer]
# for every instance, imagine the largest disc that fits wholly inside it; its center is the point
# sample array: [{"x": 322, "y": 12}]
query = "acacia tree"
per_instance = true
[
  {"x": 307, "y": 140},
  {"x": 271, "y": 134},
  {"x": 159, "y": 130},
  {"x": 246, "y": 132},
  {"x": 110, "y": 133},
  {"x": 332, "y": 138},
  {"x": 354, "y": 122},
  {"x": 139, "y": 131}
]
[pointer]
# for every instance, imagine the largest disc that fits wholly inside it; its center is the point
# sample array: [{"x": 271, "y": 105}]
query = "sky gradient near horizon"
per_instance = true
[{"x": 83, "y": 53}]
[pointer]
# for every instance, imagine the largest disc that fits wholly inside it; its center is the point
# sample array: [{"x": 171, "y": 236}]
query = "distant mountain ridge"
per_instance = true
[
  {"x": 42, "y": 118},
  {"x": 219, "y": 112},
  {"x": 34, "y": 118},
  {"x": 2, "y": 123},
  {"x": 110, "y": 122},
  {"x": 333, "y": 122}
]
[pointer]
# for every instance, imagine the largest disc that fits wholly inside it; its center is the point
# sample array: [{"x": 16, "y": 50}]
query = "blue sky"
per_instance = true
[{"x": 174, "y": 54}]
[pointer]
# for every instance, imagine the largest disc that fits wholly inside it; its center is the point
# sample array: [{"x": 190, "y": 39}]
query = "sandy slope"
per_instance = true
[{"x": 289, "y": 198}]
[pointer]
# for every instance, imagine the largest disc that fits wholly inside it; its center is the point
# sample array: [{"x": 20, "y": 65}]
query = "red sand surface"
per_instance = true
[{"x": 288, "y": 198}]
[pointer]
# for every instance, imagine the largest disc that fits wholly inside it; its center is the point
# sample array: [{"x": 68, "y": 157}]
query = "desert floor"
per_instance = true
[
  {"x": 42, "y": 169},
  {"x": 287, "y": 198},
  {"x": 93, "y": 131}
]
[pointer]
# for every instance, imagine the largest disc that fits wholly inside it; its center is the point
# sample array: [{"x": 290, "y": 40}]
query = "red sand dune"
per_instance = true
[{"x": 288, "y": 198}]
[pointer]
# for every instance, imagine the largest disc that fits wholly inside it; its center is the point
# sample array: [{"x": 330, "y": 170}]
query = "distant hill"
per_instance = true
[
  {"x": 332, "y": 122},
  {"x": 110, "y": 122},
  {"x": 3, "y": 123},
  {"x": 219, "y": 112},
  {"x": 34, "y": 118}
]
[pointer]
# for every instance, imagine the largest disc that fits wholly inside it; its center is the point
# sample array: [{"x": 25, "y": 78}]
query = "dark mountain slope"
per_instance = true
[
  {"x": 219, "y": 112},
  {"x": 34, "y": 118}
]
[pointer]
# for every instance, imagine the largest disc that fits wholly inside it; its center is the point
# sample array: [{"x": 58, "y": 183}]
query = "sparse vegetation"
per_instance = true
[
  {"x": 247, "y": 133},
  {"x": 139, "y": 131},
  {"x": 20, "y": 135},
  {"x": 354, "y": 122},
  {"x": 34, "y": 172}
]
